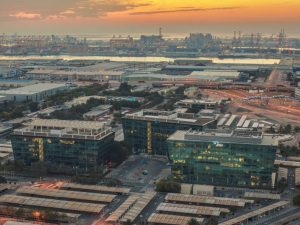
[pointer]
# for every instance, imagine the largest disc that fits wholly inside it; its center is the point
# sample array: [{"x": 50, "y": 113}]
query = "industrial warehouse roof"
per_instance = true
[
  {"x": 232, "y": 202},
  {"x": 169, "y": 117},
  {"x": 123, "y": 208},
  {"x": 76, "y": 124},
  {"x": 171, "y": 219},
  {"x": 216, "y": 136},
  {"x": 255, "y": 213},
  {"x": 51, "y": 203},
  {"x": 96, "y": 188},
  {"x": 54, "y": 193},
  {"x": 75, "y": 72},
  {"x": 222, "y": 67},
  {"x": 215, "y": 75},
  {"x": 32, "y": 89},
  {"x": 191, "y": 209},
  {"x": 258, "y": 195},
  {"x": 137, "y": 207}
]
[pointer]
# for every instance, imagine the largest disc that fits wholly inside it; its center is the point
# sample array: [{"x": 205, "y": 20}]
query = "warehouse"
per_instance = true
[{"x": 35, "y": 92}]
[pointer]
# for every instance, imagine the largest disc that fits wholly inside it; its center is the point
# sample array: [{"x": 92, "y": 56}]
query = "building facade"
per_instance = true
[
  {"x": 147, "y": 131},
  {"x": 231, "y": 158},
  {"x": 297, "y": 92},
  {"x": 35, "y": 92},
  {"x": 75, "y": 144}
]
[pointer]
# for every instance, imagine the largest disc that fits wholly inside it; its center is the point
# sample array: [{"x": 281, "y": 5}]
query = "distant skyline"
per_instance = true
[{"x": 108, "y": 17}]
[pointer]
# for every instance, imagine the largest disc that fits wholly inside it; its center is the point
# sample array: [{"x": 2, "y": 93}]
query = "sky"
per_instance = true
[{"x": 107, "y": 17}]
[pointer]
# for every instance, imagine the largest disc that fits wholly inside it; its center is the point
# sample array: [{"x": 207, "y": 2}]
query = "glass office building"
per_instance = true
[
  {"x": 231, "y": 158},
  {"x": 147, "y": 131},
  {"x": 77, "y": 144}
]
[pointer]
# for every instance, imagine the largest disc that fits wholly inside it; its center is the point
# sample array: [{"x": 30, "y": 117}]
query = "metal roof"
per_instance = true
[
  {"x": 98, "y": 188},
  {"x": 33, "y": 89},
  {"x": 138, "y": 206},
  {"x": 252, "y": 214},
  {"x": 55, "y": 193},
  {"x": 171, "y": 219},
  {"x": 261, "y": 195},
  {"x": 233, "y": 202},
  {"x": 52, "y": 203},
  {"x": 191, "y": 209},
  {"x": 123, "y": 208}
]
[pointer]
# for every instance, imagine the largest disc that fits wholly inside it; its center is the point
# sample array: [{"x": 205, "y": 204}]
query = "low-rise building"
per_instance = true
[
  {"x": 147, "y": 130},
  {"x": 35, "y": 92},
  {"x": 104, "y": 75},
  {"x": 197, "y": 104},
  {"x": 77, "y": 144},
  {"x": 236, "y": 158}
]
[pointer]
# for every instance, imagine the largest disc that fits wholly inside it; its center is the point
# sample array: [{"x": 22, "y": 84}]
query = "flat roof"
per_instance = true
[
  {"x": 245, "y": 137},
  {"x": 262, "y": 195},
  {"x": 98, "y": 188},
  {"x": 191, "y": 209},
  {"x": 233, "y": 202},
  {"x": 122, "y": 209},
  {"x": 170, "y": 117},
  {"x": 75, "y": 124},
  {"x": 138, "y": 206},
  {"x": 55, "y": 193},
  {"x": 171, "y": 219},
  {"x": 52, "y": 203},
  {"x": 252, "y": 214},
  {"x": 32, "y": 89}
]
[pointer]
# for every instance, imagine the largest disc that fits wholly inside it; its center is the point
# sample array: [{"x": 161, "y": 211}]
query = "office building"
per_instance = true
[
  {"x": 197, "y": 104},
  {"x": 297, "y": 92},
  {"x": 35, "y": 92},
  {"x": 77, "y": 144},
  {"x": 147, "y": 131},
  {"x": 224, "y": 158}
]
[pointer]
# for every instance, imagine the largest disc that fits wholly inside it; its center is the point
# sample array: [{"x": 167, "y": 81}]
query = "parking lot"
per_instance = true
[{"x": 141, "y": 170}]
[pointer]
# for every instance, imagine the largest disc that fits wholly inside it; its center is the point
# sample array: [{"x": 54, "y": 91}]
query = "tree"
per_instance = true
[
  {"x": 20, "y": 213},
  {"x": 168, "y": 186},
  {"x": 33, "y": 106},
  {"x": 296, "y": 200},
  {"x": 125, "y": 89},
  {"x": 297, "y": 129},
  {"x": 193, "y": 221}
]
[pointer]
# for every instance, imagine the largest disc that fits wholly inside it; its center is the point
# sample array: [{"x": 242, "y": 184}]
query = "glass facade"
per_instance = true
[
  {"x": 79, "y": 153},
  {"x": 223, "y": 164},
  {"x": 150, "y": 136}
]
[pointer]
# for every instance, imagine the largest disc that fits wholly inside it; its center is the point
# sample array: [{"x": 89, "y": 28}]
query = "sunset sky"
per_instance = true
[{"x": 146, "y": 16}]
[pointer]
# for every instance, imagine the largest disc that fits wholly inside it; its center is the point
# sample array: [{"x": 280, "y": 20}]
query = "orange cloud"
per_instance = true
[{"x": 24, "y": 15}]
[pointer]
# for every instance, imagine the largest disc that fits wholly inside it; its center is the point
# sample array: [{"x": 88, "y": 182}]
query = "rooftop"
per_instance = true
[
  {"x": 65, "y": 128},
  {"x": 199, "y": 199},
  {"x": 75, "y": 124},
  {"x": 169, "y": 117},
  {"x": 51, "y": 203},
  {"x": 171, "y": 219},
  {"x": 261, "y": 211},
  {"x": 227, "y": 136},
  {"x": 32, "y": 89}
]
